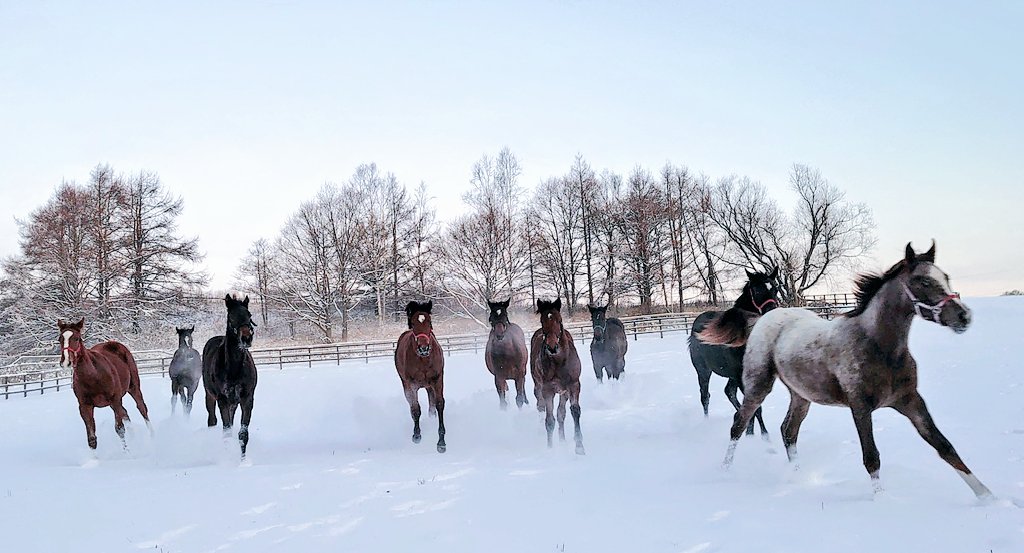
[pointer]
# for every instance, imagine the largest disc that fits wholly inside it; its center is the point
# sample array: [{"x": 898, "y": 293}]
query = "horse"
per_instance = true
[
  {"x": 229, "y": 373},
  {"x": 860, "y": 360},
  {"x": 759, "y": 296},
  {"x": 186, "y": 370},
  {"x": 101, "y": 376},
  {"x": 505, "y": 354},
  {"x": 609, "y": 345},
  {"x": 555, "y": 367},
  {"x": 419, "y": 361}
]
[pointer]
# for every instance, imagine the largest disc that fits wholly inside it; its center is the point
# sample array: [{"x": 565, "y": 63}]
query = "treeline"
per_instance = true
[
  {"x": 108, "y": 250},
  {"x": 646, "y": 238}
]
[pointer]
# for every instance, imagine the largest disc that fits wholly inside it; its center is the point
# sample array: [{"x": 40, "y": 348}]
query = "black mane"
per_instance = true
[{"x": 868, "y": 284}]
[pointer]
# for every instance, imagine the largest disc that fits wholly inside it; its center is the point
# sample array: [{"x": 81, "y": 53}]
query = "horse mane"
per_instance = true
[
  {"x": 728, "y": 328},
  {"x": 867, "y": 286}
]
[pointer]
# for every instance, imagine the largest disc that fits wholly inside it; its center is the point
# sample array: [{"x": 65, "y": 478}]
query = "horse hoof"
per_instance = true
[
  {"x": 416, "y": 438},
  {"x": 580, "y": 450},
  {"x": 441, "y": 448}
]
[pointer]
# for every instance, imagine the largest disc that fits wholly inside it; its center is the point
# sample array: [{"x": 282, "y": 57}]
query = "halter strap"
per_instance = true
[
  {"x": 424, "y": 335},
  {"x": 921, "y": 307},
  {"x": 760, "y": 308}
]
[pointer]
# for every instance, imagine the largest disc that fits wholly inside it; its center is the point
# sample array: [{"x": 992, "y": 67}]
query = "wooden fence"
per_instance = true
[{"x": 39, "y": 374}]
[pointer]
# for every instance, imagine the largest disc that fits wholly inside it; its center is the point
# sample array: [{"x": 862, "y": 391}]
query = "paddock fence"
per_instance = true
[{"x": 41, "y": 373}]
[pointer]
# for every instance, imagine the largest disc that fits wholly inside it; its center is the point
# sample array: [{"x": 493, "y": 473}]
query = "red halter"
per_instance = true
[
  {"x": 77, "y": 351},
  {"x": 760, "y": 308}
]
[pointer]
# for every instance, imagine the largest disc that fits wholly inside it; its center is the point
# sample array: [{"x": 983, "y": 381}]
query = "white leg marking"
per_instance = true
[
  {"x": 729, "y": 454},
  {"x": 979, "y": 489},
  {"x": 876, "y": 482}
]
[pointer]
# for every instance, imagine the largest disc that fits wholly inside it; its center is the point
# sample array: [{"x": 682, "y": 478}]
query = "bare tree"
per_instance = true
[
  {"x": 642, "y": 222},
  {"x": 584, "y": 185},
  {"x": 706, "y": 244},
  {"x": 607, "y": 233},
  {"x": 560, "y": 245}
]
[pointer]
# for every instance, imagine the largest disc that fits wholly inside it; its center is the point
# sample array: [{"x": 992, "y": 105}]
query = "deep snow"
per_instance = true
[{"x": 333, "y": 467}]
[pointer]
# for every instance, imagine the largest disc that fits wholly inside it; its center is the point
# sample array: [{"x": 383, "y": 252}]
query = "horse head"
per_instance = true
[
  {"x": 418, "y": 314},
  {"x": 760, "y": 294},
  {"x": 498, "y": 318},
  {"x": 240, "y": 323},
  {"x": 551, "y": 324},
  {"x": 70, "y": 340},
  {"x": 599, "y": 321},
  {"x": 185, "y": 335},
  {"x": 929, "y": 290}
]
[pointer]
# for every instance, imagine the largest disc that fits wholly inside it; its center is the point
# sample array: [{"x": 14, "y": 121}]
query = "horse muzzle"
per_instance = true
[
  {"x": 956, "y": 316},
  {"x": 423, "y": 351},
  {"x": 552, "y": 350}
]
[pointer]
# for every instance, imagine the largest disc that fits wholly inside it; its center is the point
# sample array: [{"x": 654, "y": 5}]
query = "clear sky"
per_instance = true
[{"x": 246, "y": 108}]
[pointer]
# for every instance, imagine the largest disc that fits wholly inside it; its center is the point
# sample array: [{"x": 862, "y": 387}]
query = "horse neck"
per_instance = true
[
  {"x": 182, "y": 343},
  {"x": 888, "y": 316},
  {"x": 233, "y": 354},
  {"x": 745, "y": 301}
]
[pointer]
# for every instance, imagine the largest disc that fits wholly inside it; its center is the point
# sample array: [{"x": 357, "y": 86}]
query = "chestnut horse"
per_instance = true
[
  {"x": 229, "y": 373},
  {"x": 505, "y": 354},
  {"x": 419, "y": 361},
  {"x": 555, "y": 367},
  {"x": 101, "y": 376}
]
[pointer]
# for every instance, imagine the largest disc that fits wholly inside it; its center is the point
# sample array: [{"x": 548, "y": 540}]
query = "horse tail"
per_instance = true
[{"x": 729, "y": 328}]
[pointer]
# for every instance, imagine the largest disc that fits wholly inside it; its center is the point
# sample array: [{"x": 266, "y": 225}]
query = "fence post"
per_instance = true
[
  {"x": 280, "y": 360},
  {"x": 366, "y": 353},
  {"x": 634, "y": 331},
  {"x": 337, "y": 353},
  {"x": 661, "y": 329},
  {"x": 309, "y": 356}
]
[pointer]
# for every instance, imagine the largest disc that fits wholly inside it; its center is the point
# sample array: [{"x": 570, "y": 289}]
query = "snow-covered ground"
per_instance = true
[{"x": 333, "y": 468}]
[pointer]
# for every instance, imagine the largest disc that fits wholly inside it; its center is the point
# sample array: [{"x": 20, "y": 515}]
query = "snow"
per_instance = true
[{"x": 333, "y": 467}]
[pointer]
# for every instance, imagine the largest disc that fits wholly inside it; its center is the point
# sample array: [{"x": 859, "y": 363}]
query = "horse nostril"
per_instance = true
[{"x": 965, "y": 318}]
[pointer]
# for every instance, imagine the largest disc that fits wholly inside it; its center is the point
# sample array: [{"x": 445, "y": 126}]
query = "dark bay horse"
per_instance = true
[
  {"x": 101, "y": 376},
  {"x": 186, "y": 370},
  {"x": 229, "y": 373},
  {"x": 759, "y": 296},
  {"x": 505, "y": 354},
  {"x": 555, "y": 367},
  {"x": 419, "y": 361},
  {"x": 609, "y": 345},
  {"x": 860, "y": 360}
]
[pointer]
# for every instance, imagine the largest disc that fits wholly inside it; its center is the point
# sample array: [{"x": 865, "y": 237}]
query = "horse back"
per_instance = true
[
  {"x": 185, "y": 362},
  {"x": 113, "y": 371}
]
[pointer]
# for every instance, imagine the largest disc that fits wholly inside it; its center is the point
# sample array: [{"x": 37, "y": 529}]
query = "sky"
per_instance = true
[{"x": 245, "y": 109}]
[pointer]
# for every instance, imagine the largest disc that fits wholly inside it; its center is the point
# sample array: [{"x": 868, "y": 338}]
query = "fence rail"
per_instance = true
[{"x": 43, "y": 374}]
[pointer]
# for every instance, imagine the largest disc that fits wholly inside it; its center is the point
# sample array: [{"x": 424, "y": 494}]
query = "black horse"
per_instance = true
[
  {"x": 759, "y": 296},
  {"x": 229, "y": 373},
  {"x": 186, "y": 370},
  {"x": 608, "y": 348}
]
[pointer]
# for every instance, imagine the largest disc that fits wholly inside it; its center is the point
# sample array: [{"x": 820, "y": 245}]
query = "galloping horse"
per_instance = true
[
  {"x": 505, "y": 354},
  {"x": 419, "y": 361},
  {"x": 186, "y": 370},
  {"x": 860, "y": 360},
  {"x": 758, "y": 297},
  {"x": 555, "y": 367},
  {"x": 101, "y": 376},
  {"x": 608, "y": 348},
  {"x": 229, "y": 373}
]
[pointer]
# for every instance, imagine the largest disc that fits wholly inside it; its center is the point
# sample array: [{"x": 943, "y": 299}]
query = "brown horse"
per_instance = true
[
  {"x": 555, "y": 367},
  {"x": 420, "y": 364},
  {"x": 101, "y": 376},
  {"x": 505, "y": 354}
]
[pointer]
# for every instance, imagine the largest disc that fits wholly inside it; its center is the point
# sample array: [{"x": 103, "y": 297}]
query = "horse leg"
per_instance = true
[
  {"x": 211, "y": 409},
  {"x": 521, "y": 391},
  {"x": 439, "y": 394},
  {"x": 414, "y": 408},
  {"x": 431, "y": 402},
  {"x": 120, "y": 415},
  {"x": 703, "y": 379},
  {"x": 243, "y": 431},
  {"x": 620, "y": 368},
  {"x": 227, "y": 415},
  {"x": 759, "y": 381},
  {"x": 757, "y": 415},
  {"x": 174, "y": 395},
  {"x": 501, "y": 386},
  {"x": 865, "y": 430},
  {"x": 135, "y": 390},
  {"x": 730, "y": 392},
  {"x": 562, "y": 398},
  {"x": 549, "y": 413},
  {"x": 188, "y": 401},
  {"x": 798, "y": 408},
  {"x": 915, "y": 409},
  {"x": 574, "y": 406},
  {"x": 90, "y": 423}
]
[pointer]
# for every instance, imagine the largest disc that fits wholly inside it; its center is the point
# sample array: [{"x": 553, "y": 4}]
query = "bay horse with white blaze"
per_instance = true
[
  {"x": 860, "y": 360},
  {"x": 419, "y": 361},
  {"x": 505, "y": 354},
  {"x": 101, "y": 376},
  {"x": 759, "y": 296},
  {"x": 609, "y": 344},
  {"x": 555, "y": 367},
  {"x": 229, "y": 373},
  {"x": 185, "y": 370}
]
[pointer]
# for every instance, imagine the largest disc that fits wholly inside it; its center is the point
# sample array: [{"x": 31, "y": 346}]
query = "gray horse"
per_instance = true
[
  {"x": 186, "y": 370},
  {"x": 608, "y": 348},
  {"x": 860, "y": 360}
]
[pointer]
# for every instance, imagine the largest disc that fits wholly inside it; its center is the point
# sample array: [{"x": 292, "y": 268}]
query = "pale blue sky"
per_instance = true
[{"x": 246, "y": 108}]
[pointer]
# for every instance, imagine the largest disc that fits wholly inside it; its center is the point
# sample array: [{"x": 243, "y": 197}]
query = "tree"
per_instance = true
[{"x": 642, "y": 221}]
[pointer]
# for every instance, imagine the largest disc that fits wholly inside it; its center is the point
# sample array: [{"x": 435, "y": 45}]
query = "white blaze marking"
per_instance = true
[
  {"x": 423, "y": 318},
  {"x": 65, "y": 341},
  {"x": 940, "y": 277},
  {"x": 498, "y": 312},
  {"x": 549, "y": 315}
]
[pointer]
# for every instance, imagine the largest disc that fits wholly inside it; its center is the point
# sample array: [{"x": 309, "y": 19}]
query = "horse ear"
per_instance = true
[
  {"x": 80, "y": 323},
  {"x": 192, "y": 328},
  {"x": 557, "y": 304},
  {"x": 775, "y": 273},
  {"x": 505, "y": 303},
  {"x": 929, "y": 255},
  {"x": 227, "y": 300},
  {"x": 909, "y": 256},
  {"x": 749, "y": 274},
  {"x": 539, "y": 302},
  {"x": 245, "y": 302},
  {"x": 591, "y": 308},
  {"x": 410, "y": 308},
  {"x": 60, "y": 323},
  {"x": 428, "y": 306}
]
